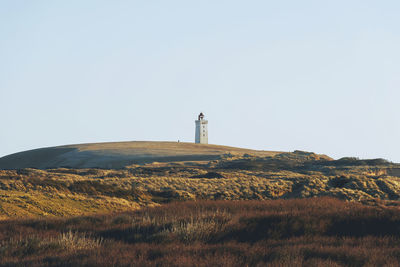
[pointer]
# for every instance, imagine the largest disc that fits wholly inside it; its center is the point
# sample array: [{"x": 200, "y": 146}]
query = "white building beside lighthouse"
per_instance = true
[{"x": 201, "y": 136}]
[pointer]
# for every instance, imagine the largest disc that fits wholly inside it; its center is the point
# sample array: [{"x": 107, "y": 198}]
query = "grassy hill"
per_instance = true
[
  {"x": 234, "y": 175},
  {"x": 119, "y": 155},
  {"x": 180, "y": 204}
]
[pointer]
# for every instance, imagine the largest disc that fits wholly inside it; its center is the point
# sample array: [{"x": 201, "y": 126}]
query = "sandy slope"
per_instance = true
[{"x": 118, "y": 154}]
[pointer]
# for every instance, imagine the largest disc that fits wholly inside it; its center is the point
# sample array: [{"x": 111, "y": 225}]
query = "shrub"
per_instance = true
[{"x": 317, "y": 231}]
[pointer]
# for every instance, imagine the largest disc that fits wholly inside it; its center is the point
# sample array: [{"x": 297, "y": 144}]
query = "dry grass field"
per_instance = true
[
  {"x": 69, "y": 192},
  {"x": 233, "y": 208},
  {"x": 298, "y": 232}
]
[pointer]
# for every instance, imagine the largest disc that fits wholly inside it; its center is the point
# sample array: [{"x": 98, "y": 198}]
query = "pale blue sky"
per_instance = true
[{"x": 320, "y": 76}]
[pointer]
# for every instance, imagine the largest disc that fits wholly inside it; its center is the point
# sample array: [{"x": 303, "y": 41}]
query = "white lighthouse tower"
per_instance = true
[{"x": 201, "y": 136}]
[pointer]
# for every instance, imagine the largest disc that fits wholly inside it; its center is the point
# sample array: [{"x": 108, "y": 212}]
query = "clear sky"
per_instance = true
[{"x": 321, "y": 76}]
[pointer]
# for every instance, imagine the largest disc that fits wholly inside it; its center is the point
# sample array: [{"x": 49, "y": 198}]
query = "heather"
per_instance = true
[{"x": 309, "y": 232}]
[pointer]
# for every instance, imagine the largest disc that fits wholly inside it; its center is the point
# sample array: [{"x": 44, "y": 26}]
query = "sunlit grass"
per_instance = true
[{"x": 66, "y": 192}]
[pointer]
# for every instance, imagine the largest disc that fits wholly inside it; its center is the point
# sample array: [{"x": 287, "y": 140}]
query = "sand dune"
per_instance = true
[{"x": 118, "y": 154}]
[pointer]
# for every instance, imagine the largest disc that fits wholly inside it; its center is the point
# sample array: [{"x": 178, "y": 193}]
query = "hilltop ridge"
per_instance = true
[{"x": 119, "y": 154}]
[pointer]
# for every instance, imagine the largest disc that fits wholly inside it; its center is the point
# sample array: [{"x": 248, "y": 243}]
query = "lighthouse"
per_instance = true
[{"x": 201, "y": 136}]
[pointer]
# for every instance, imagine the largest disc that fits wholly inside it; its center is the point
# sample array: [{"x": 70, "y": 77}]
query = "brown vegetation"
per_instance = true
[
  {"x": 298, "y": 232},
  {"x": 238, "y": 210},
  {"x": 66, "y": 192}
]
